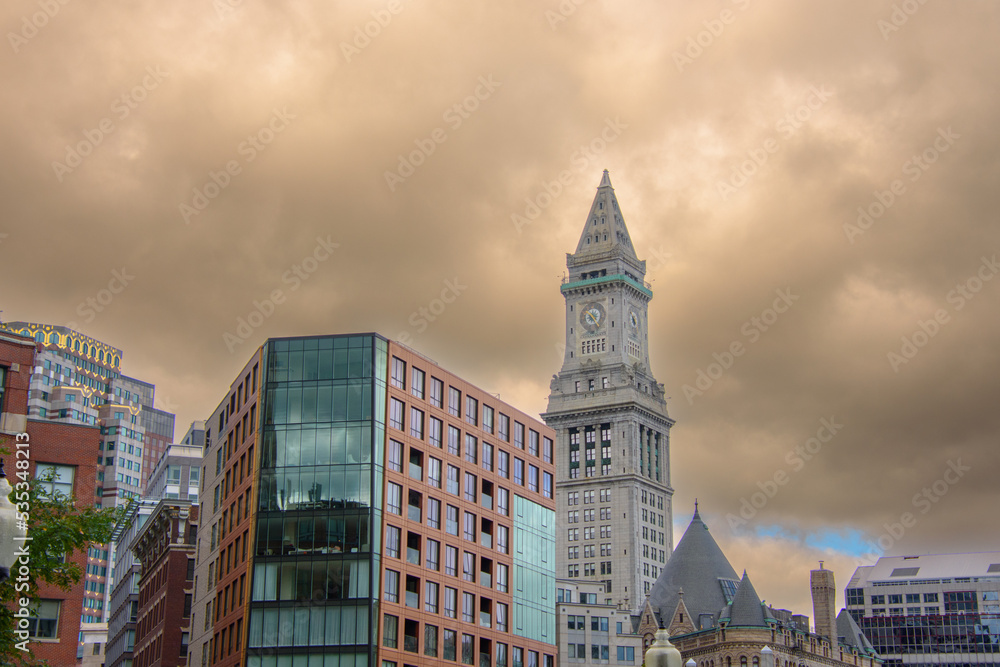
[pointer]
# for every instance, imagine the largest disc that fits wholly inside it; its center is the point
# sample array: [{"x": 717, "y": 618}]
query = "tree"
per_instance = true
[{"x": 58, "y": 526}]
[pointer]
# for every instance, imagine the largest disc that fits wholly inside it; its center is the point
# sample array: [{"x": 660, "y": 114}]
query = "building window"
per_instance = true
[
  {"x": 392, "y": 540},
  {"x": 471, "y": 410},
  {"x": 451, "y": 561},
  {"x": 395, "y": 459},
  {"x": 470, "y": 487},
  {"x": 487, "y": 459},
  {"x": 390, "y": 631},
  {"x": 451, "y": 520},
  {"x": 61, "y": 478},
  {"x": 417, "y": 423},
  {"x": 433, "y": 554},
  {"x": 454, "y": 402},
  {"x": 450, "y": 642},
  {"x": 437, "y": 393},
  {"x": 394, "y": 498},
  {"x": 454, "y": 440},
  {"x": 533, "y": 478},
  {"x": 431, "y": 640},
  {"x": 503, "y": 501},
  {"x": 502, "y": 538},
  {"x": 391, "y": 586},
  {"x": 488, "y": 419},
  {"x": 396, "y": 414},
  {"x": 417, "y": 383},
  {"x": 43, "y": 619},
  {"x": 468, "y": 607},
  {"x": 433, "y": 513},
  {"x": 398, "y": 373},
  {"x": 469, "y": 566},
  {"x": 435, "y": 428},
  {"x": 450, "y": 602},
  {"x": 469, "y": 527},
  {"x": 470, "y": 448}
]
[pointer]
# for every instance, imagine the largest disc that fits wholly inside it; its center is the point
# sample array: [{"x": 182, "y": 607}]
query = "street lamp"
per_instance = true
[
  {"x": 662, "y": 653},
  {"x": 12, "y": 531}
]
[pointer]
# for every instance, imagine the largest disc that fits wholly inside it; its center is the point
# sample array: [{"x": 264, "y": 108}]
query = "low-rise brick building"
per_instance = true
[{"x": 165, "y": 549}]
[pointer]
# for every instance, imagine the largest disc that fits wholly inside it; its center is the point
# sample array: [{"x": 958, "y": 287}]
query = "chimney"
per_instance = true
[{"x": 824, "y": 595}]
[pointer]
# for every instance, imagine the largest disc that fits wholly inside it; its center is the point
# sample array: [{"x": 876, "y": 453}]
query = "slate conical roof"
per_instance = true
[
  {"x": 746, "y": 609},
  {"x": 852, "y": 635},
  {"x": 605, "y": 229},
  {"x": 696, "y": 565}
]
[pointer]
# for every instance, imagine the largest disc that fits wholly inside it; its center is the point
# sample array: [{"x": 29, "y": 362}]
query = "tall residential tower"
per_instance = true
[{"x": 610, "y": 416}]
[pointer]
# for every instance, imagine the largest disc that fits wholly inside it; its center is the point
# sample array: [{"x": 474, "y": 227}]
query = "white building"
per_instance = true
[{"x": 930, "y": 609}]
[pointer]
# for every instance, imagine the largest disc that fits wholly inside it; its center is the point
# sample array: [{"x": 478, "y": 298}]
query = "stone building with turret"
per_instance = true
[{"x": 716, "y": 618}]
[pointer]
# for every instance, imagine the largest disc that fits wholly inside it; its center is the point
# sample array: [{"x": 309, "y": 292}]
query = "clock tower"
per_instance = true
[{"x": 613, "y": 493}]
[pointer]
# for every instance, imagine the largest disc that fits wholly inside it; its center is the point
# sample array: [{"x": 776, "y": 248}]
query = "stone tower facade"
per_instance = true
[
  {"x": 613, "y": 493},
  {"x": 824, "y": 596}
]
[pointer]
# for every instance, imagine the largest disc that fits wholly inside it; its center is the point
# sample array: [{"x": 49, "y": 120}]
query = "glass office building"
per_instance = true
[{"x": 364, "y": 507}]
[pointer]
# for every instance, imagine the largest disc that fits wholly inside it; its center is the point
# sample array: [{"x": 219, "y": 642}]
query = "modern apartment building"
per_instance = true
[
  {"x": 363, "y": 506},
  {"x": 614, "y": 507},
  {"x": 930, "y": 609}
]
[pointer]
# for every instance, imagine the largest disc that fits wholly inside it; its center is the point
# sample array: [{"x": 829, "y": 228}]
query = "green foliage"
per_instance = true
[{"x": 59, "y": 527}]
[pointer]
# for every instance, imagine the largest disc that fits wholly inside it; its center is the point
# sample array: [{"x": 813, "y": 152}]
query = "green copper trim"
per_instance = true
[{"x": 607, "y": 279}]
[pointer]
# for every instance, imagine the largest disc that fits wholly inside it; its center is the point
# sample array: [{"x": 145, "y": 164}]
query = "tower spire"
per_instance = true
[{"x": 605, "y": 229}]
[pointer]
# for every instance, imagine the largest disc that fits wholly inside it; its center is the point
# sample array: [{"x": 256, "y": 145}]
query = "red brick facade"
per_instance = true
[
  {"x": 167, "y": 585},
  {"x": 76, "y": 446}
]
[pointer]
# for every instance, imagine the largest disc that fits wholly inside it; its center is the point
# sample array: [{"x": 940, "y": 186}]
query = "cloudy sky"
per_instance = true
[{"x": 842, "y": 154}]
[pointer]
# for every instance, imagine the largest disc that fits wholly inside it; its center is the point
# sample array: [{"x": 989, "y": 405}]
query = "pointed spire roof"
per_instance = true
[
  {"x": 605, "y": 229},
  {"x": 746, "y": 608},
  {"x": 696, "y": 565},
  {"x": 852, "y": 635}
]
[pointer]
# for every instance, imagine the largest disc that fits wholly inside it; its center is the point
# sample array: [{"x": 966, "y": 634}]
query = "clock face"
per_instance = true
[
  {"x": 633, "y": 319},
  {"x": 592, "y": 316}
]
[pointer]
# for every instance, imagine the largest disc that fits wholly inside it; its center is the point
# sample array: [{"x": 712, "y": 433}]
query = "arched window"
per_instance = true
[
  {"x": 729, "y": 661},
  {"x": 76, "y": 346},
  {"x": 743, "y": 661},
  {"x": 756, "y": 661}
]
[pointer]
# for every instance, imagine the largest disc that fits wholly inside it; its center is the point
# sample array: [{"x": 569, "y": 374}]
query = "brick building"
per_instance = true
[
  {"x": 70, "y": 450},
  {"x": 165, "y": 549},
  {"x": 363, "y": 506}
]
